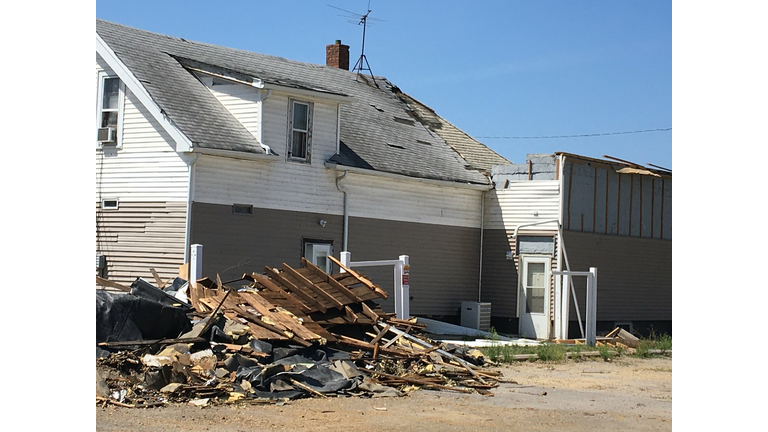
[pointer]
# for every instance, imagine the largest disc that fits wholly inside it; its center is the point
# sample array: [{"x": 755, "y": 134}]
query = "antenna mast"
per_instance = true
[{"x": 362, "y": 61}]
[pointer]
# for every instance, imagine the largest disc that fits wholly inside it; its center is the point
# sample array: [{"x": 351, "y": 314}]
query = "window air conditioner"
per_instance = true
[{"x": 106, "y": 135}]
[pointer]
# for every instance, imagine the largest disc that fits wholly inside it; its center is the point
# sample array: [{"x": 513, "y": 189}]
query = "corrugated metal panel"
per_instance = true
[
  {"x": 139, "y": 236},
  {"x": 600, "y": 200},
  {"x": 522, "y": 203},
  {"x": 634, "y": 275}
]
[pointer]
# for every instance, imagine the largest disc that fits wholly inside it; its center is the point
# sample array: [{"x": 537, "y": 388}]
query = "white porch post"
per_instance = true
[
  {"x": 346, "y": 258},
  {"x": 195, "y": 263},
  {"x": 592, "y": 307}
]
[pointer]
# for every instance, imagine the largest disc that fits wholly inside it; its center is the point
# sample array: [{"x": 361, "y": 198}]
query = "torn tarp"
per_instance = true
[{"x": 121, "y": 317}]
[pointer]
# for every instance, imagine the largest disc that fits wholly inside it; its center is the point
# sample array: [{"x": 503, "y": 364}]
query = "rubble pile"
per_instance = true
[{"x": 283, "y": 334}]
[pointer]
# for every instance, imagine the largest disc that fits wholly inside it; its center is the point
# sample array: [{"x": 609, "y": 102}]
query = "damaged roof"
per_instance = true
[{"x": 384, "y": 129}]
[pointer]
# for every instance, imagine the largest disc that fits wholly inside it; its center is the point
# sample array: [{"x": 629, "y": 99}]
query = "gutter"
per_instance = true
[
  {"x": 355, "y": 170},
  {"x": 234, "y": 154}
]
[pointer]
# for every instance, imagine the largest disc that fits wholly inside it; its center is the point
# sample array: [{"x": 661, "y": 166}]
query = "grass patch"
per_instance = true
[{"x": 650, "y": 346}]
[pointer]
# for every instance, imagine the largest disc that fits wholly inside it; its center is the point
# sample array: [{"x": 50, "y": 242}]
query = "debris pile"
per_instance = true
[{"x": 283, "y": 334}]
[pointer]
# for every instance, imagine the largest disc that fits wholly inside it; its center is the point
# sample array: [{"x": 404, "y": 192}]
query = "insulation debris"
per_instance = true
[{"x": 281, "y": 334}]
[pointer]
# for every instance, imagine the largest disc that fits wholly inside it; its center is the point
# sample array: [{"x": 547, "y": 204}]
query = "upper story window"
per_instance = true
[
  {"x": 110, "y": 109},
  {"x": 299, "y": 130}
]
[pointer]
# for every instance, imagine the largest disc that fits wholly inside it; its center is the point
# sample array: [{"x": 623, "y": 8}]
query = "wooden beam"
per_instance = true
[
  {"x": 275, "y": 288},
  {"x": 331, "y": 281},
  {"x": 370, "y": 313},
  {"x": 158, "y": 279},
  {"x": 108, "y": 283},
  {"x": 290, "y": 286},
  {"x": 360, "y": 278},
  {"x": 264, "y": 307},
  {"x": 316, "y": 289},
  {"x": 351, "y": 315}
]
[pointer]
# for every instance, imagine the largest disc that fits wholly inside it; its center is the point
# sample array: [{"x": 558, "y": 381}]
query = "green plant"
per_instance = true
[
  {"x": 605, "y": 352},
  {"x": 551, "y": 352}
]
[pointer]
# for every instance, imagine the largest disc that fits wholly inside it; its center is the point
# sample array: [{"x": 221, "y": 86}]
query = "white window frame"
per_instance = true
[
  {"x": 308, "y": 150},
  {"x": 102, "y": 77},
  {"x": 310, "y": 246}
]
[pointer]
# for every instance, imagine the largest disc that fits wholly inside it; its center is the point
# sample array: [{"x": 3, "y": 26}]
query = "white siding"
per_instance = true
[
  {"x": 146, "y": 168},
  {"x": 324, "y": 122},
  {"x": 516, "y": 205},
  {"x": 299, "y": 187},
  {"x": 150, "y": 181},
  {"x": 243, "y": 102},
  {"x": 412, "y": 201}
]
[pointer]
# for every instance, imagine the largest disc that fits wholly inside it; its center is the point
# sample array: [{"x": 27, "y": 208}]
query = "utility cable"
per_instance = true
[{"x": 575, "y": 136}]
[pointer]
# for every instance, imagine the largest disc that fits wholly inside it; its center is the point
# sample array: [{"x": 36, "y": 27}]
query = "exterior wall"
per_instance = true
[
  {"x": 149, "y": 180},
  {"x": 634, "y": 275},
  {"x": 444, "y": 260},
  {"x": 300, "y": 187},
  {"x": 598, "y": 199},
  {"x": 234, "y": 244},
  {"x": 510, "y": 205}
]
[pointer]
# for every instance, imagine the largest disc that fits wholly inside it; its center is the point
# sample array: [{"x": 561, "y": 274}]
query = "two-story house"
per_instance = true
[{"x": 265, "y": 160}]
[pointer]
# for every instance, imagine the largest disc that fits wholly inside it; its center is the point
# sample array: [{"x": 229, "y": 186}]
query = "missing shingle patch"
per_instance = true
[
  {"x": 396, "y": 146},
  {"x": 406, "y": 121},
  {"x": 423, "y": 142},
  {"x": 377, "y": 108}
]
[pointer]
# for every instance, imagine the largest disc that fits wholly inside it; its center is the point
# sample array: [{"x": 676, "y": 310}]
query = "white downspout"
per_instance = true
[
  {"x": 482, "y": 225},
  {"x": 190, "y": 192},
  {"x": 346, "y": 210}
]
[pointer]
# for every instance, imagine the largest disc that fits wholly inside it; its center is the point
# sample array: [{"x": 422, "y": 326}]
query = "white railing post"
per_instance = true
[
  {"x": 405, "y": 287},
  {"x": 591, "y": 335},
  {"x": 565, "y": 306},
  {"x": 346, "y": 258},
  {"x": 195, "y": 263}
]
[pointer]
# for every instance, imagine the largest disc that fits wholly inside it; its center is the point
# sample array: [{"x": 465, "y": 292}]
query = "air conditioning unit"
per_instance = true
[
  {"x": 106, "y": 135},
  {"x": 476, "y": 315}
]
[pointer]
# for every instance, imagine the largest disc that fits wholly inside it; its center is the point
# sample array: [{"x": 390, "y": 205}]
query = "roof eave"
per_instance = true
[
  {"x": 364, "y": 171},
  {"x": 183, "y": 143}
]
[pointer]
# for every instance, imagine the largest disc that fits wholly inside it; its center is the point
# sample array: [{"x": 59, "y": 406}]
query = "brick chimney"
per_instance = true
[{"x": 337, "y": 55}]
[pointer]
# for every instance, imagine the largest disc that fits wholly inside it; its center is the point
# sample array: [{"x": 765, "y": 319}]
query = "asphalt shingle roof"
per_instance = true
[{"x": 383, "y": 130}]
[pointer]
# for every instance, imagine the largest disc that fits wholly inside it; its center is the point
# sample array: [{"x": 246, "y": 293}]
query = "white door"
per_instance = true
[
  {"x": 317, "y": 254},
  {"x": 534, "y": 296}
]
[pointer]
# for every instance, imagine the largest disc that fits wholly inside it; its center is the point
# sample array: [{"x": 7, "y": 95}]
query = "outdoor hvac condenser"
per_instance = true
[{"x": 476, "y": 315}]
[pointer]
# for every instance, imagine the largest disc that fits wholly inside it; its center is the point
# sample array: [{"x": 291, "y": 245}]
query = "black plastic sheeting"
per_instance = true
[{"x": 121, "y": 317}]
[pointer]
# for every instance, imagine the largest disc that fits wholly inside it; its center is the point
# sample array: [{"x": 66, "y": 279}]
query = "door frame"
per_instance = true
[{"x": 522, "y": 274}]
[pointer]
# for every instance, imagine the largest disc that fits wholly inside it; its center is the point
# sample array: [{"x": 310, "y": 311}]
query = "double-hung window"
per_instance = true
[
  {"x": 110, "y": 107},
  {"x": 299, "y": 130}
]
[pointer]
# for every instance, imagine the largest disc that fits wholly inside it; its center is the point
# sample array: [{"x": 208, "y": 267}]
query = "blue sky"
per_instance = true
[{"x": 492, "y": 68}]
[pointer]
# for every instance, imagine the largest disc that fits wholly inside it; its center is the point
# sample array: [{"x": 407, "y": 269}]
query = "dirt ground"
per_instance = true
[{"x": 625, "y": 394}]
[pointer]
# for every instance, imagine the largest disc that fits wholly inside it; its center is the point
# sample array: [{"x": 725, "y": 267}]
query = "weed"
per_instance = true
[
  {"x": 605, "y": 352},
  {"x": 551, "y": 352}
]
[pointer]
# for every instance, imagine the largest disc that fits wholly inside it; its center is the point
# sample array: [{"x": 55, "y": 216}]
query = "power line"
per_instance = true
[{"x": 575, "y": 136}]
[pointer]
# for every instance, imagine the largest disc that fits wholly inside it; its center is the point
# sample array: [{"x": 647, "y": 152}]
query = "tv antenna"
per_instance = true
[{"x": 360, "y": 19}]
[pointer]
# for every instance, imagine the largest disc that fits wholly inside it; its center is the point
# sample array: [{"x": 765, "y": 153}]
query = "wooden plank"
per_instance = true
[
  {"x": 360, "y": 278},
  {"x": 381, "y": 334},
  {"x": 291, "y": 287},
  {"x": 351, "y": 315},
  {"x": 110, "y": 284},
  {"x": 333, "y": 282},
  {"x": 158, "y": 279},
  {"x": 184, "y": 271},
  {"x": 315, "y": 288},
  {"x": 264, "y": 307},
  {"x": 370, "y": 313},
  {"x": 417, "y": 381},
  {"x": 276, "y": 289}
]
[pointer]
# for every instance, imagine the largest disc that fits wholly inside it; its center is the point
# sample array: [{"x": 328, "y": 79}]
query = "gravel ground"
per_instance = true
[{"x": 625, "y": 394}]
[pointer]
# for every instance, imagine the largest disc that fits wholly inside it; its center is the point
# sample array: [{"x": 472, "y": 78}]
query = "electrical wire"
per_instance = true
[{"x": 575, "y": 136}]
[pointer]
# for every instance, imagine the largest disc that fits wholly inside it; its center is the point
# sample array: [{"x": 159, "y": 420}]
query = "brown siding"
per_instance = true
[
  {"x": 234, "y": 244},
  {"x": 634, "y": 275},
  {"x": 499, "y": 274},
  {"x": 139, "y": 236},
  {"x": 444, "y": 260}
]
